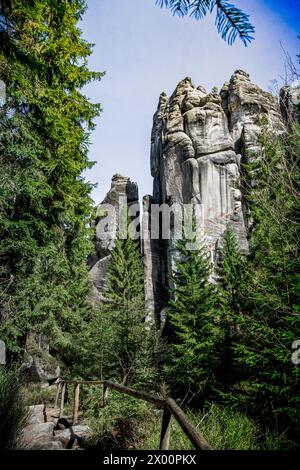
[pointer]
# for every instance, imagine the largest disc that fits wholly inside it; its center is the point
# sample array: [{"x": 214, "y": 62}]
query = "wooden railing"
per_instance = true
[{"x": 170, "y": 408}]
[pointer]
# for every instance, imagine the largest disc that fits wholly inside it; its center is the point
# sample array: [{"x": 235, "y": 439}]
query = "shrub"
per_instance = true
[
  {"x": 34, "y": 394},
  {"x": 116, "y": 426},
  {"x": 13, "y": 412}
]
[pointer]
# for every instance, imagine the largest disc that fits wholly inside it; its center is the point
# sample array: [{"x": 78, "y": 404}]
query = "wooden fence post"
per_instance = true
[
  {"x": 62, "y": 399},
  {"x": 165, "y": 430},
  {"x": 170, "y": 409},
  {"x": 188, "y": 428},
  {"x": 57, "y": 395},
  {"x": 76, "y": 403}
]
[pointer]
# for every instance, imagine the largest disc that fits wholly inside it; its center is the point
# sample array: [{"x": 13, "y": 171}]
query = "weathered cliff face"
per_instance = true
[
  {"x": 290, "y": 103},
  {"x": 198, "y": 142},
  {"x": 106, "y": 230}
]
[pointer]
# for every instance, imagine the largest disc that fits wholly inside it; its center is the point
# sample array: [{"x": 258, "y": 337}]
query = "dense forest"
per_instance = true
[{"x": 226, "y": 354}]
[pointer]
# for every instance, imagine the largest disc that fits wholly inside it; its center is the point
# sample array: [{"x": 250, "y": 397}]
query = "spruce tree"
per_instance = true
[
  {"x": 271, "y": 322},
  {"x": 193, "y": 345},
  {"x": 128, "y": 344},
  {"x": 45, "y": 203},
  {"x": 229, "y": 271}
]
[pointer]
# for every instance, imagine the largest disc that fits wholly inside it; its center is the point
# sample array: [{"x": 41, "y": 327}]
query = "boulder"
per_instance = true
[
  {"x": 38, "y": 364},
  {"x": 73, "y": 436},
  {"x": 36, "y": 414},
  {"x": 34, "y": 432},
  {"x": 37, "y": 408},
  {"x": 62, "y": 423},
  {"x": 44, "y": 443},
  {"x": 36, "y": 419}
]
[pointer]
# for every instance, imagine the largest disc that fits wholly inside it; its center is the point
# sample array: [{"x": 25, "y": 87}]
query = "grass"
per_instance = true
[
  {"x": 13, "y": 412},
  {"x": 116, "y": 426},
  {"x": 131, "y": 424},
  {"x": 223, "y": 430},
  {"x": 34, "y": 394},
  {"x": 127, "y": 423}
]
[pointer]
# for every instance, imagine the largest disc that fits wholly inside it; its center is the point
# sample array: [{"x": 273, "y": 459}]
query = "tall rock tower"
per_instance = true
[
  {"x": 122, "y": 190},
  {"x": 198, "y": 142}
]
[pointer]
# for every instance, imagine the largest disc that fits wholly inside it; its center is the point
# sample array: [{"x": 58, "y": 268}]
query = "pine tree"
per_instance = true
[{"x": 193, "y": 346}]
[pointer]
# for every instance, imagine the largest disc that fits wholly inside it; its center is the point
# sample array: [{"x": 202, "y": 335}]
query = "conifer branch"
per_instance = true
[{"x": 231, "y": 22}]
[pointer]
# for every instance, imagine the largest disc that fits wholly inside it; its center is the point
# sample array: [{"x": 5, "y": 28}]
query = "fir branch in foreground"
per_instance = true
[{"x": 231, "y": 22}]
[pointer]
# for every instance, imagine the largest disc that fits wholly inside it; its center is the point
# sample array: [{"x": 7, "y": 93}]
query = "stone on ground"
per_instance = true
[{"x": 73, "y": 436}]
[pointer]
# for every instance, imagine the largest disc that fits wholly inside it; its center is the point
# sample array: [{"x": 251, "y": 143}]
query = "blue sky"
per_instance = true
[{"x": 145, "y": 50}]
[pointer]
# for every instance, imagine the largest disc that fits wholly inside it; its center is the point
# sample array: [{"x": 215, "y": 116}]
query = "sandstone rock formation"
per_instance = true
[
  {"x": 198, "y": 142},
  {"x": 42, "y": 432},
  {"x": 290, "y": 103},
  {"x": 106, "y": 229},
  {"x": 38, "y": 364}
]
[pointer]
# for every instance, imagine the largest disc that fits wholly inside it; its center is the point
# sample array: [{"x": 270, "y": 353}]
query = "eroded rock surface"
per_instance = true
[
  {"x": 73, "y": 436},
  {"x": 38, "y": 364},
  {"x": 43, "y": 432},
  {"x": 290, "y": 102},
  {"x": 107, "y": 225},
  {"x": 198, "y": 142}
]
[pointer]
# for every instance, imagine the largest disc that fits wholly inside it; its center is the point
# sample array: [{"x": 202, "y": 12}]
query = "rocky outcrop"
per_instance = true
[
  {"x": 198, "y": 142},
  {"x": 39, "y": 434},
  {"x": 152, "y": 250},
  {"x": 107, "y": 224},
  {"x": 290, "y": 103},
  {"x": 43, "y": 433},
  {"x": 38, "y": 364},
  {"x": 73, "y": 436}
]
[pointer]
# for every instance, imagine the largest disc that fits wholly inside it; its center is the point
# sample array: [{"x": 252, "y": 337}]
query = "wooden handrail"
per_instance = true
[
  {"x": 188, "y": 428},
  {"x": 135, "y": 393},
  {"x": 169, "y": 406}
]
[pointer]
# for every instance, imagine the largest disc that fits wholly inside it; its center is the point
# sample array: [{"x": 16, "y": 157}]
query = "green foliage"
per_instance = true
[
  {"x": 230, "y": 340},
  {"x": 239, "y": 334},
  {"x": 228, "y": 429},
  {"x": 125, "y": 282},
  {"x": 45, "y": 203},
  {"x": 193, "y": 347},
  {"x": 34, "y": 394},
  {"x": 231, "y": 22},
  {"x": 13, "y": 413},
  {"x": 121, "y": 343},
  {"x": 270, "y": 319},
  {"x": 223, "y": 428},
  {"x": 229, "y": 271},
  {"x": 229, "y": 268},
  {"x": 132, "y": 424},
  {"x": 116, "y": 425}
]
